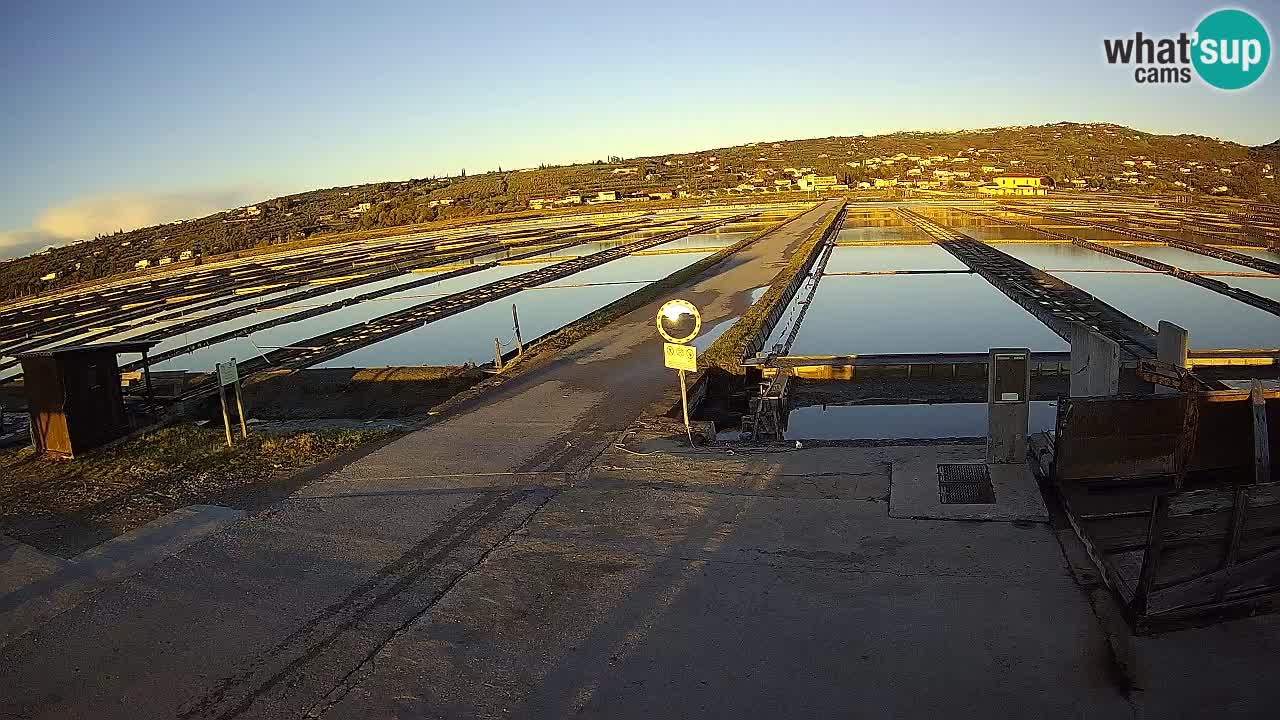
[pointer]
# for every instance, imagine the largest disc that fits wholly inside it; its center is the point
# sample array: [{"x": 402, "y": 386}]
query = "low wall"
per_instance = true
[{"x": 354, "y": 392}]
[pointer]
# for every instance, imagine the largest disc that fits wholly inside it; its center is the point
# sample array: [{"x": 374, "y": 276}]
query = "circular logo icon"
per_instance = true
[{"x": 1232, "y": 49}]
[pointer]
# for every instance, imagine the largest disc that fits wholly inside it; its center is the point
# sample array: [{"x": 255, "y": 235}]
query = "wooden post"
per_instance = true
[
  {"x": 497, "y": 354},
  {"x": 1190, "y": 433},
  {"x": 1261, "y": 435},
  {"x": 226, "y": 420},
  {"x": 146, "y": 374},
  {"x": 515, "y": 319},
  {"x": 244, "y": 427}
]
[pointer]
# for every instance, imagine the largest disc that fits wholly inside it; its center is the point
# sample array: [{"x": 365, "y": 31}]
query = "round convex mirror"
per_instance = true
[{"x": 679, "y": 321}]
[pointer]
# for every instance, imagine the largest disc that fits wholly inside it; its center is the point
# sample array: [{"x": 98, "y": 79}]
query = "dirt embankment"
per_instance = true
[
  {"x": 357, "y": 393},
  {"x": 67, "y": 506}
]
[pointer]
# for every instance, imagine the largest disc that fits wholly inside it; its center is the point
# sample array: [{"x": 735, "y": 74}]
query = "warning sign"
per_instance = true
[{"x": 681, "y": 357}]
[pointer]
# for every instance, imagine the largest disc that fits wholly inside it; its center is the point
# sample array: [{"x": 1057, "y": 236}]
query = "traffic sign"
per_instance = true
[
  {"x": 679, "y": 322},
  {"x": 229, "y": 376},
  {"x": 681, "y": 357}
]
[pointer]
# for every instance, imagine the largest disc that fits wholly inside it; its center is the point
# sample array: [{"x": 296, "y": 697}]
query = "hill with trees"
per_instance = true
[{"x": 1091, "y": 156}]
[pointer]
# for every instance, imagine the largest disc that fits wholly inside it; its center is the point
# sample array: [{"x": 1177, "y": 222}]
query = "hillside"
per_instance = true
[{"x": 1081, "y": 156}]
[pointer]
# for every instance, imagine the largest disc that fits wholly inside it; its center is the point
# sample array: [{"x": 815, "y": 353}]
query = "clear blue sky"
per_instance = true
[{"x": 227, "y": 101}]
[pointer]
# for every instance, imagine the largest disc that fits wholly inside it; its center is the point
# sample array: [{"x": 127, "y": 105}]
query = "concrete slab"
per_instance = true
[
  {"x": 21, "y": 564},
  {"x": 914, "y": 491},
  {"x": 37, "y": 602},
  {"x": 765, "y": 584}
]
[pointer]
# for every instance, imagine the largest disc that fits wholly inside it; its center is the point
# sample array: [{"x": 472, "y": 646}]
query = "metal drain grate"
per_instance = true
[{"x": 965, "y": 484}]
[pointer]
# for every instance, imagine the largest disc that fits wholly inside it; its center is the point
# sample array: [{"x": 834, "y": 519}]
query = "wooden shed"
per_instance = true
[{"x": 74, "y": 396}]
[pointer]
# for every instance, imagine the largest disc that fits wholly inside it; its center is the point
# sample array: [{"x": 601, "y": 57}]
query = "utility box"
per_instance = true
[
  {"x": 74, "y": 396},
  {"x": 1008, "y": 403}
]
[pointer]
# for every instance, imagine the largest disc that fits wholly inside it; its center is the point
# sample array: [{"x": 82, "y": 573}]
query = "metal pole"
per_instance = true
[
  {"x": 684, "y": 405},
  {"x": 497, "y": 354},
  {"x": 244, "y": 428},
  {"x": 515, "y": 318}
]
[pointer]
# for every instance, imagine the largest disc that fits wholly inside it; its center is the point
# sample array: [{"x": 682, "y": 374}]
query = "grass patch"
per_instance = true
[{"x": 130, "y": 484}]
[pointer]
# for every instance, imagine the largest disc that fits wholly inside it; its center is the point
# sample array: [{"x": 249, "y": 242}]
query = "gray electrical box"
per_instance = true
[{"x": 1008, "y": 402}]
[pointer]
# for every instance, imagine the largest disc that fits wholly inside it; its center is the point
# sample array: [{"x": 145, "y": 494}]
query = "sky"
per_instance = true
[{"x": 123, "y": 114}]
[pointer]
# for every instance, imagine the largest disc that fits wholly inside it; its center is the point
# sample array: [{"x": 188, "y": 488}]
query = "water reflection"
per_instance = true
[
  {"x": 1214, "y": 321},
  {"x": 1266, "y": 287},
  {"x": 1064, "y": 256},
  {"x": 916, "y": 314},
  {"x": 879, "y": 422},
  {"x": 468, "y": 336},
  {"x": 891, "y": 257},
  {"x": 1185, "y": 259},
  {"x": 294, "y": 332}
]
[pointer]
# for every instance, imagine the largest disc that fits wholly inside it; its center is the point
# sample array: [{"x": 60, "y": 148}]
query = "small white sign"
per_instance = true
[
  {"x": 228, "y": 373},
  {"x": 681, "y": 357}
]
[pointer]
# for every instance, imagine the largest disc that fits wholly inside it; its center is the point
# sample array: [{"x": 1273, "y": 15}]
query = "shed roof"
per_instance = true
[{"x": 123, "y": 346}]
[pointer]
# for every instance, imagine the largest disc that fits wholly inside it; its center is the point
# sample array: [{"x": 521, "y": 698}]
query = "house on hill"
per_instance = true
[
  {"x": 819, "y": 183},
  {"x": 1015, "y": 185}
]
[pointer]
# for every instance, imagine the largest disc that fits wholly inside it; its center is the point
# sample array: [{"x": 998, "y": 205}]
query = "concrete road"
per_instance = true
[
  {"x": 281, "y": 615},
  {"x": 776, "y": 584}
]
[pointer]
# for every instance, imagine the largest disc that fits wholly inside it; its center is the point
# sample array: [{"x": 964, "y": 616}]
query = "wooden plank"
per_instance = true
[
  {"x": 1108, "y": 438},
  {"x": 1206, "y": 501},
  {"x": 1151, "y": 558},
  {"x": 1233, "y": 542},
  {"x": 1126, "y": 532},
  {"x": 1122, "y": 588},
  {"x": 1189, "y": 561},
  {"x": 1259, "y": 602},
  {"x": 1263, "y": 570},
  {"x": 1127, "y": 565}
]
